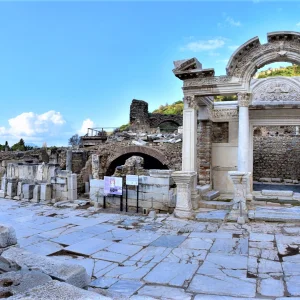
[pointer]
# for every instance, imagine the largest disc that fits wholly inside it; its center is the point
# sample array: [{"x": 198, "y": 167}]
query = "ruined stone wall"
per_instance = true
[
  {"x": 276, "y": 156},
  {"x": 139, "y": 113},
  {"x": 220, "y": 132},
  {"x": 204, "y": 151}
]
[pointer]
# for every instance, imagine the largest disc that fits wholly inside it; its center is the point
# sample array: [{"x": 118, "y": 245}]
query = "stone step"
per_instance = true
[
  {"x": 202, "y": 189},
  {"x": 211, "y": 195},
  {"x": 277, "y": 193},
  {"x": 211, "y": 215},
  {"x": 215, "y": 204},
  {"x": 278, "y": 214}
]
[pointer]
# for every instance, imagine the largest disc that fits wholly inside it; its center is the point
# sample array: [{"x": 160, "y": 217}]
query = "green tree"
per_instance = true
[
  {"x": 20, "y": 146},
  {"x": 75, "y": 140}
]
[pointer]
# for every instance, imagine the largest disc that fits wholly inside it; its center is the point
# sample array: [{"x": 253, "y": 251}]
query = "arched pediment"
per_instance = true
[
  {"x": 281, "y": 46},
  {"x": 276, "y": 91}
]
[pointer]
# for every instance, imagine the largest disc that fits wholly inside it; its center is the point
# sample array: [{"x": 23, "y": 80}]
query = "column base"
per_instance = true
[
  {"x": 185, "y": 186},
  {"x": 184, "y": 214},
  {"x": 195, "y": 197}
]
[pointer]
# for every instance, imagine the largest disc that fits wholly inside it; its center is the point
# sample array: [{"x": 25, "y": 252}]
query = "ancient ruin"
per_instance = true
[{"x": 226, "y": 164}]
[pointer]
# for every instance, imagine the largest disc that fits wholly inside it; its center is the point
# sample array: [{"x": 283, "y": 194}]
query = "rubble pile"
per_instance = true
[{"x": 144, "y": 138}]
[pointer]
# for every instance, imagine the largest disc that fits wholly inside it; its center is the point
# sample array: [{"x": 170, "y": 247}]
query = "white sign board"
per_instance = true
[
  {"x": 132, "y": 180},
  {"x": 112, "y": 185}
]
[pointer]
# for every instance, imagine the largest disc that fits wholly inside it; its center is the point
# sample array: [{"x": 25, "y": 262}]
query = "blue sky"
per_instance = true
[{"x": 65, "y": 66}]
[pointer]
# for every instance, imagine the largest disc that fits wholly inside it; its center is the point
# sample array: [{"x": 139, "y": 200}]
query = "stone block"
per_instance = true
[
  {"x": 4, "y": 184},
  {"x": 97, "y": 183},
  {"x": 20, "y": 281},
  {"x": 72, "y": 182},
  {"x": 69, "y": 273},
  {"x": 277, "y": 193},
  {"x": 19, "y": 188},
  {"x": 27, "y": 191},
  {"x": 2, "y": 194},
  {"x": 72, "y": 195},
  {"x": 161, "y": 173},
  {"x": 265, "y": 179},
  {"x": 58, "y": 180},
  {"x": 58, "y": 290},
  {"x": 276, "y": 179},
  {"x": 46, "y": 192},
  {"x": 7, "y": 236},
  {"x": 12, "y": 188},
  {"x": 36, "y": 193},
  {"x": 211, "y": 195}
]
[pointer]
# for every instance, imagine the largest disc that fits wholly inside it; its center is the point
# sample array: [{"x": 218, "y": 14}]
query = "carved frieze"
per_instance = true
[
  {"x": 206, "y": 81},
  {"x": 222, "y": 114},
  {"x": 276, "y": 91}
]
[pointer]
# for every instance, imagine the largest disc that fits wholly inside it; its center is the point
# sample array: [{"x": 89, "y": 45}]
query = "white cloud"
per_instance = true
[
  {"x": 88, "y": 123},
  {"x": 207, "y": 45},
  {"x": 298, "y": 24},
  {"x": 33, "y": 127},
  {"x": 232, "y": 22}
]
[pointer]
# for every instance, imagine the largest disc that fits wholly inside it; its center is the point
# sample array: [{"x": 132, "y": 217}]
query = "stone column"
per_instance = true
[
  {"x": 239, "y": 210},
  {"x": 184, "y": 181},
  {"x": 243, "y": 141},
  {"x": 69, "y": 160},
  {"x": 95, "y": 166},
  {"x": 189, "y": 144}
]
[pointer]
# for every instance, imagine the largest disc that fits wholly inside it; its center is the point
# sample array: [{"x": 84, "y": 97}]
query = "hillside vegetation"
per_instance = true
[
  {"x": 173, "y": 109},
  {"x": 282, "y": 71}
]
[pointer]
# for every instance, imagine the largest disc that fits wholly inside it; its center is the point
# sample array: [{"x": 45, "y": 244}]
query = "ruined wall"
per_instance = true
[
  {"x": 204, "y": 147},
  {"x": 220, "y": 132},
  {"x": 276, "y": 156}
]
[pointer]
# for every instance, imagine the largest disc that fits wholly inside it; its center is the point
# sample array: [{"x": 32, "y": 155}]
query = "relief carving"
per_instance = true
[
  {"x": 222, "y": 114},
  {"x": 276, "y": 90}
]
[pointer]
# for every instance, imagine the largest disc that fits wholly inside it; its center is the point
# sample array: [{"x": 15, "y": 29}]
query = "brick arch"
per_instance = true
[
  {"x": 140, "y": 149},
  {"x": 157, "y": 119}
]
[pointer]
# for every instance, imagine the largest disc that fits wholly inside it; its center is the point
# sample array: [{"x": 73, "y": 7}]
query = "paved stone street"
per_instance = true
[{"x": 137, "y": 257}]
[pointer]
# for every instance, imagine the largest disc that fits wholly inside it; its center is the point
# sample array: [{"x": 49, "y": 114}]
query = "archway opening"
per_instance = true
[
  {"x": 150, "y": 162},
  {"x": 286, "y": 69},
  {"x": 168, "y": 126}
]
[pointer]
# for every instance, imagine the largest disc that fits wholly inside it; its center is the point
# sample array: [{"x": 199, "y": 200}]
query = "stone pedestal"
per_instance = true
[
  {"x": 239, "y": 210},
  {"x": 3, "y": 186},
  {"x": 95, "y": 166},
  {"x": 184, "y": 181}
]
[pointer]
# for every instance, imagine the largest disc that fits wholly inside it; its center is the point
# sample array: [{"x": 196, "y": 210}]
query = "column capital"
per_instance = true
[
  {"x": 191, "y": 101},
  {"x": 244, "y": 99}
]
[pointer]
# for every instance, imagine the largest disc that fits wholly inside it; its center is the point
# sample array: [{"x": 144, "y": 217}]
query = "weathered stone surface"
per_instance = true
[
  {"x": 72, "y": 274},
  {"x": 7, "y": 236},
  {"x": 20, "y": 281},
  {"x": 223, "y": 286},
  {"x": 211, "y": 195},
  {"x": 271, "y": 287},
  {"x": 293, "y": 285},
  {"x": 277, "y": 193},
  {"x": 54, "y": 290},
  {"x": 164, "y": 292}
]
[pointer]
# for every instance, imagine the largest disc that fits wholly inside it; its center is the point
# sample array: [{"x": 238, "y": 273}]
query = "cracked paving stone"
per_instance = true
[
  {"x": 142, "y": 238},
  {"x": 44, "y": 248},
  {"x": 128, "y": 272},
  {"x": 171, "y": 273},
  {"x": 230, "y": 246},
  {"x": 269, "y": 266},
  {"x": 291, "y": 268},
  {"x": 152, "y": 254},
  {"x": 125, "y": 287},
  {"x": 227, "y": 261},
  {"x": 293, "y": 285},
  {"x": 223, "y": 285},
  {"x": 164, "y": 292},
  {"x": 271, "y": 287},
  {"x": 102, "y": 267},
  {"x": 262, "y": 245},
  {"x": 168, "y": 241},
  {"x": 261, "y": 237},
  {"x": 197, "y": 244},
  {"x": 186, "y": 256},
  {"x": 110, "y": 256},
  {"x": 103, "y": 282},
  {"x": 214, "y": 297},
  {"x": 124, "y": 249}
]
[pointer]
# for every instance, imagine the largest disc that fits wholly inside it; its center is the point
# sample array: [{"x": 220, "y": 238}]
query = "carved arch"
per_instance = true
[{"x": 252, "y": 55}]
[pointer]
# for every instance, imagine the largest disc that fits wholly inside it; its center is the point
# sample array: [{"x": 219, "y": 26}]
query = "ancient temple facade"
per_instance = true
[{"x": 223, "y": 131}]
